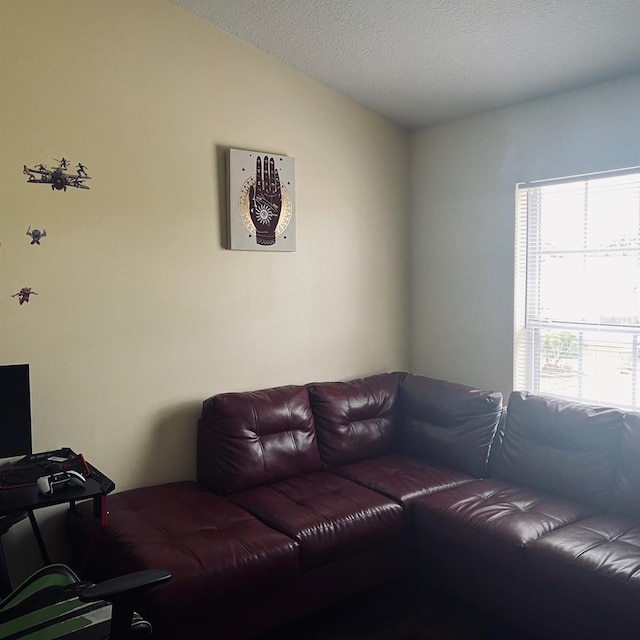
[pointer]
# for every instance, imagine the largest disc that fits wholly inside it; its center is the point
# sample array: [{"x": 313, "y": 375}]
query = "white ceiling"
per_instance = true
[{"x": 421, "y": 62}]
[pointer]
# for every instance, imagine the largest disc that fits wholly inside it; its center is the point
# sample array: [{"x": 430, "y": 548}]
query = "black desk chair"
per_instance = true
[{"x": 54, "y": 603}]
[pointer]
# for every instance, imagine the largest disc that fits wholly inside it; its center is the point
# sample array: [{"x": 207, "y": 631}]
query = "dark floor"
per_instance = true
[{"x": 399, "y": 611}]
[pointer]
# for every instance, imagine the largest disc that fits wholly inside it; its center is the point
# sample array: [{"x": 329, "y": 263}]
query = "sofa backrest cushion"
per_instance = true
[
  {"x": 355, "y": 420},
  {"x": 626, "y": 496},
  {"x": 448, "y": 423},
  {"x": 254, "y": 438},
  {"x": 565, "y": 448}
]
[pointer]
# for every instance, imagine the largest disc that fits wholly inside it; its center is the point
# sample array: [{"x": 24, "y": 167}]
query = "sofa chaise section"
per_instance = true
[
  {"x": 554, "y": 473},
  {"x": 215, "y": 550},
  {"x": 594, "y": 565}
]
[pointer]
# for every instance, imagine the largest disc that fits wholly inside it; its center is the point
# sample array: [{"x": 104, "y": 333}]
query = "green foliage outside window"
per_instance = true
[{"x": 558, "y": 346}]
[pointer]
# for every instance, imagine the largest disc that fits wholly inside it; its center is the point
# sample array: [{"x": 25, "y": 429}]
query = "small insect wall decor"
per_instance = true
[
  {"x": 261, "y": 201},
  {"x": 36, "y": 235},
  {"x": 24, "y": 294},
  {"x": 59, "y": 177}
]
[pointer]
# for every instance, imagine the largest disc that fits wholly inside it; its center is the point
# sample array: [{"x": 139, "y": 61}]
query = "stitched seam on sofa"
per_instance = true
[
  {"x": 514, "y": 508},
  {"x": 379, "y": 424},
  {"x": 591, "y": 570},
  {"x": 619, "y": 543},
  {"x": 474, "y": 529},
  {"x": 256, "y": 420},
  {"x": 596, "y": 545},
  {"x": 613, "y": 489},
  {"x": 462, "y": 506},
  {"x": 615, "y": 538},
  {"x": 290, "y": 429},
  {"x": 618, "y": 537},
  {"x": 246, "y": 547},
  {"x": 293, "y": 441},
  {"x": 348, "y": 413},
  {"x": 314, "y": 509},
  {"x": 363, "y": 509},
  {"x": 190, "y": 553},
  {"x": 240, "y": 541},
  {"x": 278, "y": 526}
]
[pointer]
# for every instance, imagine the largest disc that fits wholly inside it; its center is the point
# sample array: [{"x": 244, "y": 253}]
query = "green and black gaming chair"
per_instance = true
[{"x": 54, "y": 603}]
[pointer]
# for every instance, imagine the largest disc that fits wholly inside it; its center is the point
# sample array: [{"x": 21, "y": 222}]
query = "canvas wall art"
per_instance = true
[{"x": 261, "y": 201}]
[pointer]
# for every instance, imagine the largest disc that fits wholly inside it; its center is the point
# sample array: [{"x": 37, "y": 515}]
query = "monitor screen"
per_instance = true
[{"x": 15, "y": 411}]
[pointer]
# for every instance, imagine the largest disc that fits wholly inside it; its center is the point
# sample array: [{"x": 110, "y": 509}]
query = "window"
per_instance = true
[{"x": 577, "y": 294}]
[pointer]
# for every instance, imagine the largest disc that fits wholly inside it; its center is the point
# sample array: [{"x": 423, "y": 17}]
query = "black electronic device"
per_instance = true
[{"x": 15, "y": 411}]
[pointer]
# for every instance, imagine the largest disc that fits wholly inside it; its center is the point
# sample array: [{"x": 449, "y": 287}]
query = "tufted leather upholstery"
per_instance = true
[
  {"x": 357, "y": 427},
  {"x": 326, "y": 515},
  {"x": 330, "y": 486},
  {"x": 540, "y": 522},
  {"x": 595, "y": 562},
  {"x": 250, "y": 439},
  {"x": 212, "y": 547},
  {"x": 565, "y": 448},
  {"x": 355, "y": 420},
  {"x": 493, "y": 518},
  {"x": 401, "y": 477},
  {"x": 449, "y": 424}
]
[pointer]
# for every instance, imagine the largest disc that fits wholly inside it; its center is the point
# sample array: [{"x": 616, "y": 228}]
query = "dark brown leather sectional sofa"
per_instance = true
[{"x": 309, "y": 494}]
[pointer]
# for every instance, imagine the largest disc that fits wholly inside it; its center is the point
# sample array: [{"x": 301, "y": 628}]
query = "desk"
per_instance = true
[{"x": 20, "y": 502}]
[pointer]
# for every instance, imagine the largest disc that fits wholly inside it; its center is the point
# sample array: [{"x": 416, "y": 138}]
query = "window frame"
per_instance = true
[{"x": 529, "y": 325}]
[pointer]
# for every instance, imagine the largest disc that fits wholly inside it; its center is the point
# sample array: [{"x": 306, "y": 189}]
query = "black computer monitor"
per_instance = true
[{"x": 15, "y": 410}]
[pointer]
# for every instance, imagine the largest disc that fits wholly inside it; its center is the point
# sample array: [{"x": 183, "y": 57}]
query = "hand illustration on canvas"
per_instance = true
[{"x": 265, "y": 201}]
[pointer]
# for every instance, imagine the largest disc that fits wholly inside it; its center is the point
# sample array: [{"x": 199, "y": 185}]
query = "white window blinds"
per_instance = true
[{"x": 577, "y": 296}]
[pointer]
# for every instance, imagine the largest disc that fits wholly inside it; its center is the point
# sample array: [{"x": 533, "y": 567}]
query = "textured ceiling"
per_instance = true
[{"x": 421, "y": 62}]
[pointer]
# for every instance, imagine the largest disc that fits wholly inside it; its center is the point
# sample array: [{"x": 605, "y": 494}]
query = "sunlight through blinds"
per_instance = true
[{"x": 577, "y": 287}]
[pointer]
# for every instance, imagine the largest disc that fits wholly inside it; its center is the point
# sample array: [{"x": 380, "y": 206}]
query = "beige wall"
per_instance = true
[
  {"x": 141, "y": 314},
  {"x": 462, "y": 227}
]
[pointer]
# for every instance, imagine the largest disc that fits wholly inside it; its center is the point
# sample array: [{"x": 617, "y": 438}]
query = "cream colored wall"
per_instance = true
[
  {"x": 140, "y": 313},
  {"x": 462, "y": 230}
]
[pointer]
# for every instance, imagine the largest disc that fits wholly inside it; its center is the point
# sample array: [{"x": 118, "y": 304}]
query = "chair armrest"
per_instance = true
[
  {"x": 126, "y": 585},
  {"x": 120, "y": 592}
]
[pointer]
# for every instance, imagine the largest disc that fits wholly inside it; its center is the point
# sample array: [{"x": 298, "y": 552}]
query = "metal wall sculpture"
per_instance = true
[{"x": 58, "y": 177}]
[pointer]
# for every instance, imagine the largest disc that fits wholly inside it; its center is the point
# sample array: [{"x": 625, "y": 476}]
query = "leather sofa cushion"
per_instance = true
[
  {"x": 255, "y": 438},
  {"x": 561, "y": 447},
  {"x": 212, "y": 547},
  {"x": 356, "y": 419},
  {"x": 450, "y": 424},
  {"x": 626, "y": 497},
  {"x": 491, "y": 520},
  {"x": 400, "y": 477},
  {"x": 595, "y": 562},
  {"x": 328, "y": 516}
]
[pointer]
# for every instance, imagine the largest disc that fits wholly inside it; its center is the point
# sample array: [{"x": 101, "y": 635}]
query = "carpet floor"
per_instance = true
[{"x": 399, "y": 611}]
